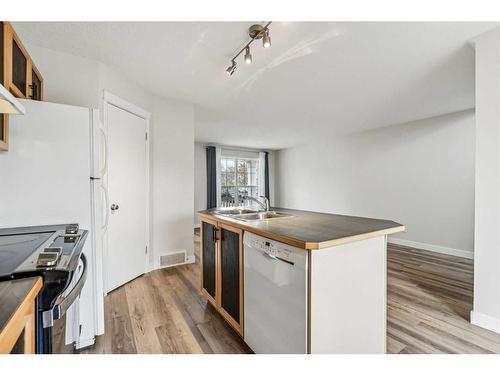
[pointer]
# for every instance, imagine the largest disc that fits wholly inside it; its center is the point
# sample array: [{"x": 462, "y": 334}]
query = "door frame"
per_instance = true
[{"x": 116, "y": 101}]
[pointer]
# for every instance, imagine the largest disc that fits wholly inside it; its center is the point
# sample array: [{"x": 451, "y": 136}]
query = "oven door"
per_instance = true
[
  {"x": 69, "y": 296},
  {"x": 46, "y": 318}
]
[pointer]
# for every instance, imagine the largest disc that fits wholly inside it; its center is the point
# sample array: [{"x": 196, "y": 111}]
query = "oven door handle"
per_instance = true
[{"x": 64, "y": 303}]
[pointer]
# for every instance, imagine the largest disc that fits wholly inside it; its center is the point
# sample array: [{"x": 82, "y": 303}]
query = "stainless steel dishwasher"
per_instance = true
[{"x": 275, "y": 296}]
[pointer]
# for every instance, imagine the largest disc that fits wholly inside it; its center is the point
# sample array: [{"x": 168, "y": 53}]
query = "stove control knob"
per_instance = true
[{"x": 71, "y": 229}]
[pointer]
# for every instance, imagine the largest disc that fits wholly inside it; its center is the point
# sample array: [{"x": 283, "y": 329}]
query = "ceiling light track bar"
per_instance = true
[
  {"x": 255, "y": 32},
  {"x": 250, "y": 42}
]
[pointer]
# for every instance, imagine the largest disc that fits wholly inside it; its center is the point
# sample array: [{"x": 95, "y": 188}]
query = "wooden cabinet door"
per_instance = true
[
  {"x": 18, "y": 74},
  {"x": 209, "y": 260},
  {"x": 19, "y": 84},
  {"x": 17, "y": 65},
  {"x": 231, "y": 276},
  {"x": 36, "y": 85},
  {"x": 4, "y": 132},
  {"x": 4, "y": 123}
]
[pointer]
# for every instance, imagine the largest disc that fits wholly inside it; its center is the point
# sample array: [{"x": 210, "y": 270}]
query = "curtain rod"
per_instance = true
[{"x": 233, "y": 148}]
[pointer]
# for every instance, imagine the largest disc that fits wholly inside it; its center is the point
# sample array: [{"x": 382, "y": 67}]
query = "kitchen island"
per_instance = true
[
  {"x": 17, "y": 315},
  {"x": 339, "y": 302},
  {"x": 311, "y": 230}
]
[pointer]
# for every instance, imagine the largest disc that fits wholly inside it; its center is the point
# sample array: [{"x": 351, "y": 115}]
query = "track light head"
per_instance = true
[
  {"x": 254, "y": 32},
  {"x": 248, "y": 56},
  {"x": 230, "y": 70},
  {"x": 266, "y": 39}
]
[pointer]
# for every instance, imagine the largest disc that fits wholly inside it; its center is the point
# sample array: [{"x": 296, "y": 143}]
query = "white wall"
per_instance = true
[
  {"x": 79, "y": 81},
  {"x": 173, "y": 170},
  {"x": 68, "y": 79},
  {"x": 486, "y": 311},
  {"x": 420, "y": 174},
  {"x": 112, "y": 81}
]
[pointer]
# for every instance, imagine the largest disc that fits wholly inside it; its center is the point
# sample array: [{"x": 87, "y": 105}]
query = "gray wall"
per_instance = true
[{"x": 420, "y": 174}]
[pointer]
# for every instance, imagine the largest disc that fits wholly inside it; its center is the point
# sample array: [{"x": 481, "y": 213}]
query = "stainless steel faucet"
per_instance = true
[{"x": 266, "y": 205}]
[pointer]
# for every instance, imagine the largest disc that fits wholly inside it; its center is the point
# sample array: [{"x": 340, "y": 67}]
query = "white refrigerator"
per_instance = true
[{"x": 52, "y": 174}]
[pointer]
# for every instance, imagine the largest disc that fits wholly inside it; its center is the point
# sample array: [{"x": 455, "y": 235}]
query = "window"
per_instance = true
[{"x": 239, "y": 179}]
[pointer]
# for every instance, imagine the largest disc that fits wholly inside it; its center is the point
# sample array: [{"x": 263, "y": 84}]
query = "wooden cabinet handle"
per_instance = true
[{"x": 214, "y": 234}]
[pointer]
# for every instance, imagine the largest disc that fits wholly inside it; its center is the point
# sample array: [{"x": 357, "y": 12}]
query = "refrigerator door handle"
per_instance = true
[
  {"x": 106, "y": 198},
  {"x": 105, "y": 143}
]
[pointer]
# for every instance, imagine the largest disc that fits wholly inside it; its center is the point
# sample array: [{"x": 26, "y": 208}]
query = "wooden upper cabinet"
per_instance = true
[
  {"x": 3, "y": 118},
  {"x": 36, "y": 87},
  {"x": 18, "y": 74},
  {"x": 17, "y": 63},
  {"x": 4, "y": 132}
]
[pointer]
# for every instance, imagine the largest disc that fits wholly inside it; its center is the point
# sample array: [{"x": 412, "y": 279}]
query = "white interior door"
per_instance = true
[{"x": 127, "y": 186}]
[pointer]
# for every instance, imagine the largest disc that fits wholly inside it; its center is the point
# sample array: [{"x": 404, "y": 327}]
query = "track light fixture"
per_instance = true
[
  {"x": 254, "y": 32},
  {"x": 230, "y": 70},
  {"x": 266, "y": 40},
  {"x": 248, "y": 56}
]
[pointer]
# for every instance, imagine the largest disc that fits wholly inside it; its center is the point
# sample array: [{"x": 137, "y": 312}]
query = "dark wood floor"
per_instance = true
[{"x": 429, "y": 300}]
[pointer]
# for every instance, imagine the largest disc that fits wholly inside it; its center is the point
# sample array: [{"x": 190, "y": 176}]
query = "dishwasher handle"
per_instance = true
[{"x": 274, "y": 257}]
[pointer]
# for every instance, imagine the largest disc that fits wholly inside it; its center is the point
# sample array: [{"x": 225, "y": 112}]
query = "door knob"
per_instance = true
[{"x": 114, "y": 207}]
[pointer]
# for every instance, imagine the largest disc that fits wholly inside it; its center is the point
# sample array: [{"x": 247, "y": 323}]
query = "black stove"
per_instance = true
[{"x": 53, "y": 252}]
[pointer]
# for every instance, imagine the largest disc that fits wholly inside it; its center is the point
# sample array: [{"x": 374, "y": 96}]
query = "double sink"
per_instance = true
[{"x": 250, "y": 215}]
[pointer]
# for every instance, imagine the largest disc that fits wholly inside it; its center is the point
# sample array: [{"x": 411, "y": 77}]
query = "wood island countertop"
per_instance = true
[
  {"x": 16, "y": 298},
  {"x": 311, "y": 230}
]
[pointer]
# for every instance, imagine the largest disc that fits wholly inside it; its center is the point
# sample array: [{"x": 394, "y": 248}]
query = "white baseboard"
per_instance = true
[
  {"x": 485, "y": 321},
  {"x": 190, "y": 259},
  {"x": 435, "y": 248}
]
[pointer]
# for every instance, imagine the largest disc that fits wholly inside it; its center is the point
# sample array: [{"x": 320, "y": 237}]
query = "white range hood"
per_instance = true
[{"x": 8, "y": 103}]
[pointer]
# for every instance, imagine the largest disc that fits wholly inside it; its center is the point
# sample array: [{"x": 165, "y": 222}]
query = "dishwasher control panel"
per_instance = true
[{"x": 275, "y": 249}]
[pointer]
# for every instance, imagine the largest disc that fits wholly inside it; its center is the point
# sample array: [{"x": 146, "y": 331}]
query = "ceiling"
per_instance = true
[{"x": 317, "y": 79}]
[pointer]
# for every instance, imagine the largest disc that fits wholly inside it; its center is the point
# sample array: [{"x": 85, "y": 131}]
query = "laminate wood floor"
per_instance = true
[
  {"x": 429, "y": 300},
  {"x": 162, "y": 311}
]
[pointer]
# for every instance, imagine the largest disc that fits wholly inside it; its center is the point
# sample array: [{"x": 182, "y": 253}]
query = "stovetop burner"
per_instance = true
[
  {"x": 27, "y": 250},
  {"x": 16, "y": 248}
]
